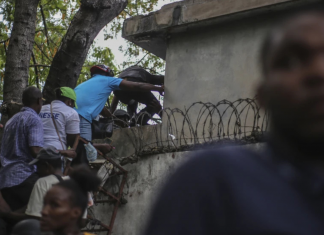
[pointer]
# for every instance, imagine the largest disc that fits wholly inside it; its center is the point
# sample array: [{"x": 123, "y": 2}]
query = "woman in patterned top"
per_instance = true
[{"x": 65, "y": 202}]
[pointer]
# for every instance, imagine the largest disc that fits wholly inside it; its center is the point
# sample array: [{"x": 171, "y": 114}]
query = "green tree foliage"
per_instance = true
[
  {"x": 133, "y": 53},
  {"x": 53, "y": 20}
]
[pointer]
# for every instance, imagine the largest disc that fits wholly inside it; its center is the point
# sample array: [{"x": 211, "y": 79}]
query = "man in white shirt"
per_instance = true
[{"x": 61, "y": 122}]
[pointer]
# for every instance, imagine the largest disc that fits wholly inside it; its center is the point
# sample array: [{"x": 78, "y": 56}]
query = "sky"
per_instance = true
[{"x": 115, "y": 43}]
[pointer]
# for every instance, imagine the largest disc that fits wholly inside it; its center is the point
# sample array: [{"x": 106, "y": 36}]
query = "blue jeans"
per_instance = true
[{"x": 85, "y": 129}]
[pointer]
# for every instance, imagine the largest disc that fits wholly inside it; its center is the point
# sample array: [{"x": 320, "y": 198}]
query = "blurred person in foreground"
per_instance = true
[
  {"x": 66, "y": 202},
  {"x": 279, "y": 190},
  {"x": 27, "y": 227}
]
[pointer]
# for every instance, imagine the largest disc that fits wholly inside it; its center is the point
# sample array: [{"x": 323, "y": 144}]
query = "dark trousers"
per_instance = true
[
  {"x": 132, "y": 98},
  {"x": 18, "y": 195}
]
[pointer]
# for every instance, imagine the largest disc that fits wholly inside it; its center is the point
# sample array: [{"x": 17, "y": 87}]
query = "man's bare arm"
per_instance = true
[
  {"x": 71, "y": 138},
  {"x": 138, "y": 86},
  {"x": 68, "y": 153},
  {"x": 104, "y": 148},
  {"x": 105, "y": 112},
  {"x": 114, "y": 104}
]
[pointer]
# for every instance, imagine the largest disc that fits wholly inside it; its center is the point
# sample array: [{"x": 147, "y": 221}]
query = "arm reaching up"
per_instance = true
[
  {"x": 106, "y": 113},
  {"x": 138, "y": 86}
]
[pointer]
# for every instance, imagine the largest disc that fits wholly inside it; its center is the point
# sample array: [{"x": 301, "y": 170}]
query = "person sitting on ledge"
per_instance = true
[{"x": 132, "y": 98}]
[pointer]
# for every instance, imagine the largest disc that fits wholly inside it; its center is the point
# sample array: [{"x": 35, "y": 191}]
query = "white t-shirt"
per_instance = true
[
  {"x": 35, "y": 203},
  {"x": 67, "y": 121}
]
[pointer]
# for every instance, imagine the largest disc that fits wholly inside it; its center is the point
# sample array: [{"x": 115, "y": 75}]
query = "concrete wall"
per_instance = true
[
  {"x": 216, "y": 63},
  {"x": 145, "y": 179},
  {"x": 128, "y": 141}
]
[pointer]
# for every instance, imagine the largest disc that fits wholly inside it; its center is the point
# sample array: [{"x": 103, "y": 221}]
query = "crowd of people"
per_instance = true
[
  {"x": 230, "y": 190},
  {"x": 42, "y": 146}
]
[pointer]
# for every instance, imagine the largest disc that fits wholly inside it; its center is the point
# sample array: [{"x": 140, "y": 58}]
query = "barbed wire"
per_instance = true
[{"x": 199, "y": 125}]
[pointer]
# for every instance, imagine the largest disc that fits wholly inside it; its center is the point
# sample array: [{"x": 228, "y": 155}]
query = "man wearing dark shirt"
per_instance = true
[{"x": 279, "y": 190}]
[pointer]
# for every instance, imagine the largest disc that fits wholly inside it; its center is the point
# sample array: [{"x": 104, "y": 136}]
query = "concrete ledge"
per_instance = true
[{"x": 151, "y": 31}]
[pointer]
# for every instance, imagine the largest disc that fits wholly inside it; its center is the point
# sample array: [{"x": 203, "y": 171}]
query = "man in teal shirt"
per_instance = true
[{"x": 92, "y": 95}]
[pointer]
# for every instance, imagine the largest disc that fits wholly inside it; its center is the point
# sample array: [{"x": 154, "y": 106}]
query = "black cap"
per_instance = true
[
  {"x": 121, "y": 113},
  {"x": 48, "y": 153}
]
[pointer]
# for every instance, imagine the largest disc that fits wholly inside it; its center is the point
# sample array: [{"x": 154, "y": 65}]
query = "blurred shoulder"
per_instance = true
[{"x": 219, "y": 159}]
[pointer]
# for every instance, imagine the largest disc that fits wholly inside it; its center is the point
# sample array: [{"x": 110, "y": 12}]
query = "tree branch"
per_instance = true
[
  {"x": 88, "y": 21},
  {"x": 44, "y": 22},
  {"x": 96, "y": 5},
  {"x": 142, "y": 59},
  {"x": 4, "y": 40},
  {"x": 36, "y": 70},
  {"x": 136, "y": 7},
  {"x": 5, "y": 48},
  {"x": 43, "y": 52},
  {"x": 128, "y": 13}
]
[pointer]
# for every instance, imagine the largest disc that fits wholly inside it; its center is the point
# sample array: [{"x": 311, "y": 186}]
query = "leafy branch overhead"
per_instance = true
[{"x": 53, "y": 20}]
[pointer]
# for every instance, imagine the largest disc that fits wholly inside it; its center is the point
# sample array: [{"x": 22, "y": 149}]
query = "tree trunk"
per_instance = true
[
  {"x": 20, "y": 50},
  {"x": 85, "y": 26}
]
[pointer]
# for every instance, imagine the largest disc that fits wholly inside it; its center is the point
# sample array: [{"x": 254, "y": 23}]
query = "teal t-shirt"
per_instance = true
[{"x": 92, "y": 95}]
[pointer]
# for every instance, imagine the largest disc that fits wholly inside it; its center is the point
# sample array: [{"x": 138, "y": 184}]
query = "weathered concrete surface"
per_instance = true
[
  {"x": 129, "y": 141},
  {"x": 145, "y": 180},
  {"x": 215, "y": 63},
  {"x": 152, "y": 31}
]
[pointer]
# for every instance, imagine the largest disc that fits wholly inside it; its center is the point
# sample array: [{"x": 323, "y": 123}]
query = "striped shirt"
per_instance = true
[{"x": 23, "y": 130}]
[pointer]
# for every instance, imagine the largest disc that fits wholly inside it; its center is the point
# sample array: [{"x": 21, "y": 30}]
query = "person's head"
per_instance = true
[
  {"x": 27, "y": 227},
  {"x": 48, "y": 161},
  {"x": 101, "y": 69},
  {"x": 66, "y": 95},
  {"x": 32, "y": 98},
  {"x": 65, "y": 202},
  {"x": 122, "y": 118},
  {"x": 292, "y": 90}
]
